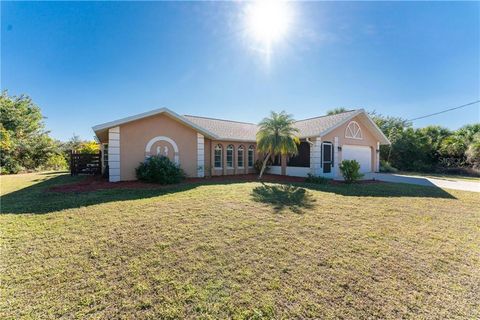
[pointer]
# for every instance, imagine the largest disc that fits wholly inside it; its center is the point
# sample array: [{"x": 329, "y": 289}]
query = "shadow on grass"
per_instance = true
[
  {"x": 283, "y": 196},
  {"x": 382, "y": 189},
  {"x": 36, "y": 199}
]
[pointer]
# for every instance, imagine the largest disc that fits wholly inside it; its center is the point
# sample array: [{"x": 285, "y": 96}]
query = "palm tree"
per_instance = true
[{"x": 277, "y": 135}]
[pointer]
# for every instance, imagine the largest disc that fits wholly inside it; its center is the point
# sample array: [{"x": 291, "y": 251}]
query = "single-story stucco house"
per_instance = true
[{"x": 205, "y": 146}]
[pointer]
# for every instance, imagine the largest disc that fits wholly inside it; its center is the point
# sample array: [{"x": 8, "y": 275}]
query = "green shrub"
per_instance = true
[
  {"x": 350, "y": 170},
  {"x": 55, "y": 162},
  {"x": 159, "y": 169},
  {"x": 316, "y": 179},
  {"x": 259, "y": 163},
  {"x": 473, "y": 153},
  {"x": 385, "y": 166}
]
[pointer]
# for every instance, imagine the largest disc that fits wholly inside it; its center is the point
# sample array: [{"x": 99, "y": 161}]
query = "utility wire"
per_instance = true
[{"x": 434, "y": 114}]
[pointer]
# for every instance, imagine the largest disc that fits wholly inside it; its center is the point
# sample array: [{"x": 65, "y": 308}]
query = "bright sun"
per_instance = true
[{"x": 268, "y": 21}]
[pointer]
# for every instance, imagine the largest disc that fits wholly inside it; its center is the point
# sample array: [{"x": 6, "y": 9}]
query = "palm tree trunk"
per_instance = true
[{"x": 264, "y": 165}]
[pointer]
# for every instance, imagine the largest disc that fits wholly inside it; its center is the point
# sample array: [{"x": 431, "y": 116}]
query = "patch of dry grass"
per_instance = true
[{"x": 240, "y": 250}]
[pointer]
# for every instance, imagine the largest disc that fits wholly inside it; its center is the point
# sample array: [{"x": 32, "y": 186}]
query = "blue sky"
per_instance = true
[{"x": 92, "y": 62}]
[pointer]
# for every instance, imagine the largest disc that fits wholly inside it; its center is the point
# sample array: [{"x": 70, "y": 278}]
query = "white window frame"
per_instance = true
[
  {"x": 218, "y": 147},
  {"x": 231, "y": 148},
  {"x": 252, "y": 150},
  {"x": 242, "y": 149},
  {"x": 353, "y": 131}
]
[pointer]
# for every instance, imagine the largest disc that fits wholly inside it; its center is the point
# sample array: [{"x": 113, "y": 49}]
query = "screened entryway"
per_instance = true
[
  {"x": 302, "y": 159},
  {"x": 327, "y": 157}
]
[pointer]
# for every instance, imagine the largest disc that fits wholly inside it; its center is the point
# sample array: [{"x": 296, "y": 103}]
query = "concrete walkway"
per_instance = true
[{"x": 424, "y": 181}]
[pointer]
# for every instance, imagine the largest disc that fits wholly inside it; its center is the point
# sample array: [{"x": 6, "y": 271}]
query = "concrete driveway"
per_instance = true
[{"x": 426, "y": 181}]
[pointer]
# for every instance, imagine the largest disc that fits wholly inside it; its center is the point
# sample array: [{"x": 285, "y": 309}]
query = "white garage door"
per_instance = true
[{"x": 360, "y": 153}]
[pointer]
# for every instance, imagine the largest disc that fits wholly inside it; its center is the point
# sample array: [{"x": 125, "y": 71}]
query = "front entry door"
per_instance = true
[{"x": 327, "y": 157}]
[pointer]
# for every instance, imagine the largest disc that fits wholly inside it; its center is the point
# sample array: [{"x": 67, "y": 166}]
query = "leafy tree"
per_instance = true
[
  {"x": 453, "y": 146},
  {"x": 74, "y": 143},
  {"x": 410, "y": 151},
  {"x": 81, "y": 146},
  {"x": 473, "y": 152},
  {"x": 389, "y": 125},
  {"x": 336, "y": 111},
  {"x": 25, "y": 143},
  {"x": 459, "y": 148},
  {"x": 435, "y": 136},
  {"x": 56, "y": 162},
  {"x": 393, "y": 128},
  {"x": 277, "y": 136},
  {"x": 468, "y": 132},
  {"x": 89, "y": 147}
]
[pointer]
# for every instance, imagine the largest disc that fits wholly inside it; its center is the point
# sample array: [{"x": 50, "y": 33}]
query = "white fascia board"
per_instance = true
[{"x": 139, "y": 116}]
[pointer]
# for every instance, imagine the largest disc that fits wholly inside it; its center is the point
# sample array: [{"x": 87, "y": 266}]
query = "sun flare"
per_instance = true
[{"x": 267, "y": 22}]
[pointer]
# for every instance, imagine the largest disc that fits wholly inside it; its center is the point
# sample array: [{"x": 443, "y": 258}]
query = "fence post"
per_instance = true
[{"x": 71, "y": 163}]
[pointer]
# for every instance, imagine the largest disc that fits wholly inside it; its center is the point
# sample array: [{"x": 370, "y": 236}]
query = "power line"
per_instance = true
[{"x": 434, "y": 114}]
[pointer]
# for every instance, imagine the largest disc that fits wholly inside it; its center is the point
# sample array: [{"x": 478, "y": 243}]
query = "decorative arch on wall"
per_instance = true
[
  {"x": 162, "y": 138},
  {"x": 353, "y": 131}
]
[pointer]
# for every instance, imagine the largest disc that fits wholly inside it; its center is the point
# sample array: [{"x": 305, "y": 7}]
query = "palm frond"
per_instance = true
[{"x": 278, "y": 135}]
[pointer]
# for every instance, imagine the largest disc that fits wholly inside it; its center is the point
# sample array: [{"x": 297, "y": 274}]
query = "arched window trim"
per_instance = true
[
  {"x": 353, "y": 131},
  {"x": 251, "y": 149},
  {"x": 218, "y": 157},
  {"x": 229, "y": 157},
  {"x": 241, "y": 158}
]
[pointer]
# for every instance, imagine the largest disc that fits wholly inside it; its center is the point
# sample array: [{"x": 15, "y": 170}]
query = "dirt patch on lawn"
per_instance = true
[{"x": 92, "y": 183}]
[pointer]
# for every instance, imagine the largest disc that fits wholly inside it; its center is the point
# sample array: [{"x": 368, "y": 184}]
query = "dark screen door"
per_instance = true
[{"x": 327, "y": 157}]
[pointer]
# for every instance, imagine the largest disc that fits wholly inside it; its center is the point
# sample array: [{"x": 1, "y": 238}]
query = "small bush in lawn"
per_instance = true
[
  {"x": 159, "y": 169},
  {"x": 316, "y": 179},
  {"x": 350, "y": 170},
  {"x": 385, "y": 166}
]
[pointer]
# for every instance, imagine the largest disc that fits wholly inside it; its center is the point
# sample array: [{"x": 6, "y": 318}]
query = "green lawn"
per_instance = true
[{"x": 238, "y": 250}]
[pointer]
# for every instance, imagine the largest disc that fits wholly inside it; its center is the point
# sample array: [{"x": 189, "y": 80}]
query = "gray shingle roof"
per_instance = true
[
  {"x": 242, "y": 131},
  {"x": 314, "y": 126},
  {"x": 233, "y": 130},
  {"x": 226, "y": 129}
]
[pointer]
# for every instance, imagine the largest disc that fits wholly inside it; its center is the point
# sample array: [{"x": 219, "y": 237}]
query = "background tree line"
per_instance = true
[
  {"x": 25, "y": 145},
  {"x": 429, "y": 149}
]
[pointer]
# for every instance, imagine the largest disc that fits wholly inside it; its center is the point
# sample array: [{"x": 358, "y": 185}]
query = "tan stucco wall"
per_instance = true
[
  {"x": 135, "y": 135},
  {"x": 235, "y": 170},
  {"x": 368, "y": 139}
]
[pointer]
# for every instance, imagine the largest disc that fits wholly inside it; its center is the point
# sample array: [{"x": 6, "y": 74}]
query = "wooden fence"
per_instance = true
[{"x": 85, "y": 163}]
